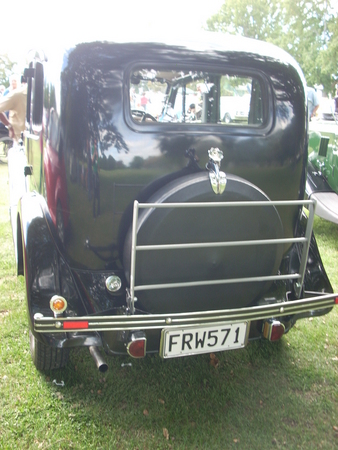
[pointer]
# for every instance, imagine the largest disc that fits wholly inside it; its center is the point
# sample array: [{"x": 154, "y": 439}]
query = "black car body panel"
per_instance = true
[{"x": 100, "y": 158}]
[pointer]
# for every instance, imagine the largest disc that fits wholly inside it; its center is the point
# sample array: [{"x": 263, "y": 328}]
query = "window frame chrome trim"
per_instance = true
[{"x": 216, "y": 128}]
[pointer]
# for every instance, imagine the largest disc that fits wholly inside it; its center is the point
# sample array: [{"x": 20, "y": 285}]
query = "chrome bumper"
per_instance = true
[{"x": 311, "y": 305}]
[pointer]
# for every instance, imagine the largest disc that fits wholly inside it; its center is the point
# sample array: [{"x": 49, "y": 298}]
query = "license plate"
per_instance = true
[{"x": 177, "y": 342}]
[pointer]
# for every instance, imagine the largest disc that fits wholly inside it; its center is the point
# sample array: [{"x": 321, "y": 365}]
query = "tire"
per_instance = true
[
  {"x": 198, "y": 225},
  {"x": 45, "y": 357}
]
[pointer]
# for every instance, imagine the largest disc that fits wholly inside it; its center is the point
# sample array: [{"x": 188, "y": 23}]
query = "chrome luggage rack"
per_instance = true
[{"x": 299, "y": 277}]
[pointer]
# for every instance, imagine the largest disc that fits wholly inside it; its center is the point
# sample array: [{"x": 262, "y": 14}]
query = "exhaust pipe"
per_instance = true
[{"x": 99, "y": 361}]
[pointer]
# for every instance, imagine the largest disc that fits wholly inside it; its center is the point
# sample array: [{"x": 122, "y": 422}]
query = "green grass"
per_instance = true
[{"x": 266, "y": 396}]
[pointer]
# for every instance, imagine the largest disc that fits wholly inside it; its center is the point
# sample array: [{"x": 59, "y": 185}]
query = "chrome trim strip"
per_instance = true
[
  {"x": 225, "y": 204},
  {"x": 305, "y": 252},
  {"x": 292, "y": 276},
  {"x": 159, "y": 321},
  {"x": 133, "y": 257},
  {"x": 221, "y": 244}
]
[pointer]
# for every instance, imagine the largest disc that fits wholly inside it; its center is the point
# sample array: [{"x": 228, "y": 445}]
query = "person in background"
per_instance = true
[
  {"x": 14, "y": 102},
  {"x": 191, "y": 113},
  {"x": 313, "y": 102},
  {"x": 144, "y": 101},
  {"x": 336, "y": 102},
  {"x": 14, "y": 82},
  {"x": 3, "y": 129}
]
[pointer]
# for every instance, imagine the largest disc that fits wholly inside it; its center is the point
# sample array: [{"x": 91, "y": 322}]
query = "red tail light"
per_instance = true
[
  {"x": 273, "y": 330},
  {"x": 136, "y": 346},
  {"x": 83, "y": 324}
]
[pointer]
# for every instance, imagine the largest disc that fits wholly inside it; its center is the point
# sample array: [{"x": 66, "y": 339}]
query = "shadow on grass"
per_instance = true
[{"x": 191, "y": 398}]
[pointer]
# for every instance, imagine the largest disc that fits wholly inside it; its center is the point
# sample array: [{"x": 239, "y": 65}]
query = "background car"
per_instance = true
[
  {"x": 322, "y": 173},
  {"x": 235, "y": 108}
]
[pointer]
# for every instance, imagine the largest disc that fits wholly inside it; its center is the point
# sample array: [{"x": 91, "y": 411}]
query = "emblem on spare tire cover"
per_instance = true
[{"x": 217, "y": 178}]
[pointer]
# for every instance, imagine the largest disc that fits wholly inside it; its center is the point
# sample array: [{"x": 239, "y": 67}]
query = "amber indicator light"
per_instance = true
[{"x": 58, "y": 304}]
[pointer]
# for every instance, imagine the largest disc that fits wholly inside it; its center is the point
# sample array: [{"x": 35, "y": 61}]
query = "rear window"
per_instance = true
[{"x": 196, "y": 97}]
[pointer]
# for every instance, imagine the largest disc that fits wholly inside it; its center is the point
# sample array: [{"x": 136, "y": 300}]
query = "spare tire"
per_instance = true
[{"x": 198, "y": 225}]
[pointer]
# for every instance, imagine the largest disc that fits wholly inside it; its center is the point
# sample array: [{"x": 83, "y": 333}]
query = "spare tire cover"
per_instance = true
[{"x": 200, "y": 225}]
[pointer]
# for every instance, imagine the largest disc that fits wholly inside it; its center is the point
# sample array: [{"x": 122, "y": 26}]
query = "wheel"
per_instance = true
[
  {"x": 59, "y": 223},
  {"x": 168, "y": 226},
  {"x": 142, "y": 116},
  {"x": 45, "y": 357}
]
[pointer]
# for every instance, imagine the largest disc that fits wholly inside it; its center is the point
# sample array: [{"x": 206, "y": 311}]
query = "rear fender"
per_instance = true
[
  {"x": 39, "y": 255},
  {"x": 46, "y": 271}
]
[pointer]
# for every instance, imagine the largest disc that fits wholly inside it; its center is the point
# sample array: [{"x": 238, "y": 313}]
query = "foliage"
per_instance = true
[
  {"x": 328, "y": 58},
  {"x": 6, "y": 68},
  {"x": 307, "y": 29}
]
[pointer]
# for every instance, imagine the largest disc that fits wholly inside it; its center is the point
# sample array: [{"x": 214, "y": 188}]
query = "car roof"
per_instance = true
[{"x": 204, "y": 41}]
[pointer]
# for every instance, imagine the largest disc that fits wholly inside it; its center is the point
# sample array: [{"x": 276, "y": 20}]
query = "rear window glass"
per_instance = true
[{"x": 196, "y": 97}]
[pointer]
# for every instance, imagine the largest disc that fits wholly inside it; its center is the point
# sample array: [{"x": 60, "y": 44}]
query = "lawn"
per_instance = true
[{"x": 266, "y": 396}]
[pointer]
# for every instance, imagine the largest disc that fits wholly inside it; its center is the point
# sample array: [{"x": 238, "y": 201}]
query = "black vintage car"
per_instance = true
[{"x": 151, "y": 223}]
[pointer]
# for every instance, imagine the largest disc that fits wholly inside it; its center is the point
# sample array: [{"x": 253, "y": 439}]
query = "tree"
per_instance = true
[
  {"x": 6, "y": 69},
  {"x": 307, "y": 29},
  {"x": 257, "y": 20},
  {"x": 328, "y": 58}
]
